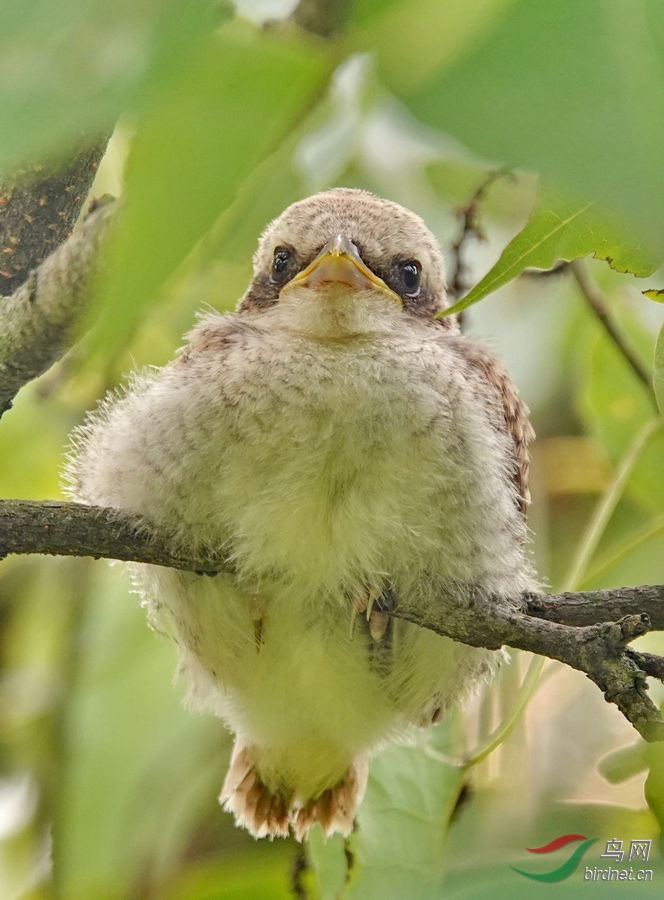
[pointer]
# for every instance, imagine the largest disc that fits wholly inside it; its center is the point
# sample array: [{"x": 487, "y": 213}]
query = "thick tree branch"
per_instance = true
[
  {"x": 41, "y": 318},
  {"x": 577, "y": 629},
  {"x": 72, "y": 529},
  {"x": 599, "y": 650},
  {"x": 591, "y": 607},
  {"x": 38, "y": 209}
]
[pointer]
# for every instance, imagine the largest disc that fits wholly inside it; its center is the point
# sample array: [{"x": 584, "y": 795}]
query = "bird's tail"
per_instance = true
[{"x": 270, "y": 813}]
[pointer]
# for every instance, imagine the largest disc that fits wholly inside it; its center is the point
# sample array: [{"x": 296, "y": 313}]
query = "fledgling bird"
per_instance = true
[{"x": 336, "y": 442}]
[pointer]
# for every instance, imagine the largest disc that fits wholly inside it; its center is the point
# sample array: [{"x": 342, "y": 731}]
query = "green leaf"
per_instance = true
[
  {"x": 654, "y": 786},
  {"x": 235, "y": 97},
  {"x": 407, "y": 53},
  {"x": 328, "y": 861},
  {"x": 573, "y": 90},
  {"x": 398, "y": 848},
  {"x": 656, "y": 294},
  {"x": 562, "y": 229},
  {"x": 658, "y": 377},
  {"x": 493, "y": 831},
  {"x": 68, "y": 69},
  {"x": 219, "y": 268}
]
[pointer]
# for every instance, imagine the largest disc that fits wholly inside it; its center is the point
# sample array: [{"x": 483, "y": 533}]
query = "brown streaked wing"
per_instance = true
[{"x": 515, "y": 411}]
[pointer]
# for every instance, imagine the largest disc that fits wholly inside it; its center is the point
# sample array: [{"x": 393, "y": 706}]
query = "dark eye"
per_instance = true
[
  {"x": 282, "y": 257},
  {"x": 410, "y": 276}
]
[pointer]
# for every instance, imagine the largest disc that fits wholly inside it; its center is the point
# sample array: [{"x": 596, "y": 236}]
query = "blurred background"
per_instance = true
[{"x": 221, "y": 116}]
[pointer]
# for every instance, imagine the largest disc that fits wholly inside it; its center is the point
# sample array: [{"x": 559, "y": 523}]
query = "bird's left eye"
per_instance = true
[
  {"x": 280, "y": 262},
  {"x": 410, "y": 276}
]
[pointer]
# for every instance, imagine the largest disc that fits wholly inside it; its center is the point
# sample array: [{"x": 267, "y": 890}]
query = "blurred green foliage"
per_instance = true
[
  {"x": 572, "y": 89},
  {"x": 202, "y": 142},
  {"x": 223, "y": 123},
  {"x": 72, "y": 68}
]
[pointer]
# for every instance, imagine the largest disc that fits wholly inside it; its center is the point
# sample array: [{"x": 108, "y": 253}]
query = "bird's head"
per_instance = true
[{"x": 346, "y": 262}]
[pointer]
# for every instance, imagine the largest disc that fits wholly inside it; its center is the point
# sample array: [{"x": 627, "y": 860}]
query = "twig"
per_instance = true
[
  {"x": 598, "y": 305},
  {"x": 41, "y": 318},
  {"x": 652, "y": 665},
  {"x": 573, "y": 628},
  {"x": 326, "y": 18},
  {"x": 38, "y": 210},
  {"x": 598, "y": 650},
  {"x": 587, "y": 546},
  {"x": 298, "y": 870},
  {"x": 471, "y": 226},
  {"x": 583, "y": 608}
]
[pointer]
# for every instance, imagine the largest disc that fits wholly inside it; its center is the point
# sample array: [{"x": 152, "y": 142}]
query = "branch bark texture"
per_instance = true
[
  {"x": 40, "y": 319},
  {"x": 72, "y": 529},
  {"x": 38, "y": 209},
  {"x": 600, "y": 650},
  {"x": 590, "y": 631}
]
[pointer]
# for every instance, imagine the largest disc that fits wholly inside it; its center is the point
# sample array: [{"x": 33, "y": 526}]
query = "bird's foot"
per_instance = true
[{"x": 364, "y": 604}]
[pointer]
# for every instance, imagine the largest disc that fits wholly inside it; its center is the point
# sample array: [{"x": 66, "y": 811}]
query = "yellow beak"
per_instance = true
[{"x": 339, "y": 262}]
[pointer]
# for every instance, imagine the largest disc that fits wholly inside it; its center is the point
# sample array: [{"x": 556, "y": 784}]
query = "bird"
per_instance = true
[{"x": 339, "y": 444}]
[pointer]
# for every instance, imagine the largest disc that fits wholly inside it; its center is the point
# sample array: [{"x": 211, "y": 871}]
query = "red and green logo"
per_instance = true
[{"x": 567, "y": 867}]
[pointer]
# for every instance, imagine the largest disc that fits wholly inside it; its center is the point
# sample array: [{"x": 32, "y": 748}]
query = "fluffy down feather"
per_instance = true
[{"x": 330, "y": 444}]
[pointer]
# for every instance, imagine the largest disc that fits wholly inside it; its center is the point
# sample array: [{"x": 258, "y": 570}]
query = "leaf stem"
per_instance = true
[
  {"x": 591, "y": 538},
  {"x": 651, "y": 530},
  {"x": 607, "y": 504},
  {"x": 531, "y": 681}
]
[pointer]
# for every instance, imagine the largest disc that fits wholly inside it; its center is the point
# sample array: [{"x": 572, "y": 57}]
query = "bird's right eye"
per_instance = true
[{"x": 280, "y": 261}]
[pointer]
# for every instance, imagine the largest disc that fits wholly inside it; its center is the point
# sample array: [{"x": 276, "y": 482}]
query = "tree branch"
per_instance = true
[
  {"x": 576, "y": 629},
  {"x": 326, "y": 18},
  {"x": 597, "y": 304},
  {"x": 471, "y": 227},
  {"x": 73, "y": 529},
  {"x": 600, "y": 650},
  {"x": 591, "y": 607},
  {"x": 38, "y": 210},
  {"x": 40, "y": 319}
]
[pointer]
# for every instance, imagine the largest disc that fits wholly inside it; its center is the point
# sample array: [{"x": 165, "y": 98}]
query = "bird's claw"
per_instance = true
[
  {"x": 378, "y": 624},
  {"x": 365, "y": 604}
]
